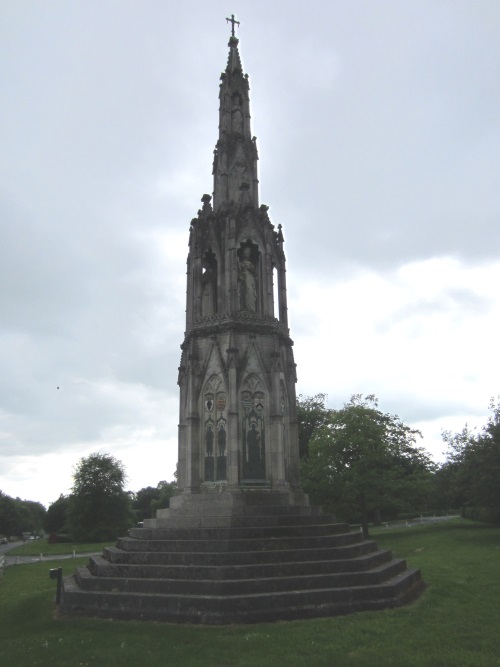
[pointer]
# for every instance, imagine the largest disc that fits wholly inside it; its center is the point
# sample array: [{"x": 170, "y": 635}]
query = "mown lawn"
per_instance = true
[
  {"x": 455, "y": 623},
  {"x": 37, "y": 547}
]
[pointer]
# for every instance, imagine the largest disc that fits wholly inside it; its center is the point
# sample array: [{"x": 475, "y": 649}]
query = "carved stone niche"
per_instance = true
[
  {"x": 209, "y": 285},
  {"x": 248, "y": 276}
]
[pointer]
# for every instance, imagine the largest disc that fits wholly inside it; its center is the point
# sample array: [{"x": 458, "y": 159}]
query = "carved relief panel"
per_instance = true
[
  {"x": 253, "y": 403},
  {"x": 215, "y": 430}
]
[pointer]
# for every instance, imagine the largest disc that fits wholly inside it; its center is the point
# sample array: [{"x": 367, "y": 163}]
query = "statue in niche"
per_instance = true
[
  {"x": 247, "y": 281},
  {"x": 209, "y": 440},
  {"x": 237, "y": 121},
  {"x": 253, "y": 444},
  {"x": 221, "y": 440},
  {"x": 236, "y": 116}
]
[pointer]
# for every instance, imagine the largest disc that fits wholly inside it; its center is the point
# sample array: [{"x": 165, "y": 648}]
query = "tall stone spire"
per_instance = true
[
  {"x": 238, "y": 424},
  {"x": 235, "y": 155},
  {"x": 217, "y": 554}
]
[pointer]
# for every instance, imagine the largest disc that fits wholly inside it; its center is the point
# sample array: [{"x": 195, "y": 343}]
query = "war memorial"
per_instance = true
[{"x": 240, "y": 542}]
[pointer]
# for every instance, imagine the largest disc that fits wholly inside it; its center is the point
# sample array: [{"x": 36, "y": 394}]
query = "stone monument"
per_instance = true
[{"x": 239, "y": 542}]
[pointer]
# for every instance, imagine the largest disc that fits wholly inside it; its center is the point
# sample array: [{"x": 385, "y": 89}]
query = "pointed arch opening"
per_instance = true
[
  {"x": 214, "y": 430},
  {"x": 248, "y": 277},
  {"x": 254, "y": 400},
  {"x": 209, "y": 284}
]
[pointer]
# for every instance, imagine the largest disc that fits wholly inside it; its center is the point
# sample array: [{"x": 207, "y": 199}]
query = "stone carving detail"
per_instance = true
[
  {"x": 247, "y": 279},
  {"x": 209, "y": 285},
  {"x": 253, "y": 429},
  {"x": 215, "y": 431}
]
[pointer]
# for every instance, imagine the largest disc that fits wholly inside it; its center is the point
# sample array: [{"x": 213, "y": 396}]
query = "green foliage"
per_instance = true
[
  {"x": 20, "y": 516},
  {"x": 363, "y": 463},
  {"x": 57, "y": 515},
  {"x": 311, "y": 416},
  {"x": 470, "y": 477},
  {"x": 141, "y": 503},
  {"x": 151, "y": 498},
  {"x": 167, "y": 490},
  {"x": 99, "y": 507}
]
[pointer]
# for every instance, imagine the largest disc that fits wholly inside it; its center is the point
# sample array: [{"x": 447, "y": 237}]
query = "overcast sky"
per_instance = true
[{"x": 378, "y": 128}]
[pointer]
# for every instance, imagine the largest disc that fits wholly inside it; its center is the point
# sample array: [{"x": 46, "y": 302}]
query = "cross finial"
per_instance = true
[{"x": 232, "y": 21}]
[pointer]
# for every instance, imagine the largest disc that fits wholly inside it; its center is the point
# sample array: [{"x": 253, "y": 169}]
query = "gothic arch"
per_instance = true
[
  {"x": 254, "y": 410},
  {"x": 214, "y": 431}
]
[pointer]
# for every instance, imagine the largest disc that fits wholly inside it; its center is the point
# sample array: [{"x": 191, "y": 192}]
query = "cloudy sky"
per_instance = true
[{"x": 378, "y": 127}]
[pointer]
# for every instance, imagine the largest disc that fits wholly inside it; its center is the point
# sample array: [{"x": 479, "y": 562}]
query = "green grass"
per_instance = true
[
  {"x": 37, "y": 547},
  {"x": 456, "y": 622}
]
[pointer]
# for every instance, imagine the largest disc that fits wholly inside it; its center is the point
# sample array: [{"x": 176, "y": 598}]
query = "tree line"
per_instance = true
[
  {"x": 366, "y": 466},
  {"x": 358, "y": 462},
  {"x": 98, "y": 508}
]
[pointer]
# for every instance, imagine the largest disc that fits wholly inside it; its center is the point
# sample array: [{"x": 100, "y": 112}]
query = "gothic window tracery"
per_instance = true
[{"x": 215, "y": 430}]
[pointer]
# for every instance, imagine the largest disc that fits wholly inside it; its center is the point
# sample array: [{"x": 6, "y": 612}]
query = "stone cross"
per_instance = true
[{"x": 232, "y": 20}]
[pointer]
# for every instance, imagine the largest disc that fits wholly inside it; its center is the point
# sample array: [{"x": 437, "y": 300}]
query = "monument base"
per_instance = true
[{"x": 227, "y": 556}]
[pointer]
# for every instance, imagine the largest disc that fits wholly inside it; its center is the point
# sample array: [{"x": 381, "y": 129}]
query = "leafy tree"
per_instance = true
[
  {"x": 143, "y": 500},
  {"x": 99, "y": 508},
  {"x": 57, "y": 515},
  {"x": 311, "y": 415},
  {"x": 167, "y": 490},
  {"x": 363, "y": 462},
  {"x": 20, "y": 516},
  {"x": 8, "y": 515},
  {"x": 470, "y": 477}
]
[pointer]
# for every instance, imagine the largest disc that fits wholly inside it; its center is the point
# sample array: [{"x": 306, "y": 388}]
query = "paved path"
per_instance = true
[{"x": 23, "y": 560}]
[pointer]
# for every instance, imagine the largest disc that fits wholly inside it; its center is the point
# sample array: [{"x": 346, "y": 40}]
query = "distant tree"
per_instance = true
[
  {"x": 9, "y": 524},
  {"x": 363, "y": 462},
  {"x": 100, "y": 509},
  {"x": 57, "y": 515},
  {"x": 143, "y": 500},
  {"x": 311, "y": 416},
  {"x": 20, "y": 516},
  {"x": 470, "y": 476},
  {"x": 167, "y": 490},
  {"x": 32, "y": 515}
]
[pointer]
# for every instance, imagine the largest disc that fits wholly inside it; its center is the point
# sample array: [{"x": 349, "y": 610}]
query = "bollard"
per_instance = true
[{"x": 56, "y": 573}]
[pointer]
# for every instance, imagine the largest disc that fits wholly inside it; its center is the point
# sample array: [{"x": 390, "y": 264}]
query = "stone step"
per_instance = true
[
  {"x": 100, "y": 567},
  {"x": 224, "y": 586},
  {"x": 131, "y": 545},
  {"x": 244, "y": 521},
  {"x": 256, "y": 607},
  {"x": 276, "y": 555},
  {"x": 298, "y": 510},
  {"x": 241, "y": 534}
]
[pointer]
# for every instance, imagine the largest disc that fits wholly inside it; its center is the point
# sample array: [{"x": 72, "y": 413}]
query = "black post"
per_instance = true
[{"x": 56, "y": 573}]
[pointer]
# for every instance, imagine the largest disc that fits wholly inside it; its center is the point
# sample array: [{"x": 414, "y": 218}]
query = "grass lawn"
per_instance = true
[
  {"x": 37, "y": 547},
  {"x": 455, "y": 623}
]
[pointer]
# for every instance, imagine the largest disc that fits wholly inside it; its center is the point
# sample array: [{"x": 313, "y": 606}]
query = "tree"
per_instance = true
[
  {"x": 311, "y": 415},
  {"x": 20, "y": 516},
  {"x": 470, "y": 477},
  {"x": 167, "y": 490},
  {"x": 363, "y": 462},
  {"x": 143, "y": 500},
  {"x": 9, "y": 523},
  {"x": 99, "y": 508},
  {"x": 57, "y": 515}
]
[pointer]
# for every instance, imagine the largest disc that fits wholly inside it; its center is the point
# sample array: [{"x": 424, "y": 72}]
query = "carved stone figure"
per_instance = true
[
  {"x": 247, "y": 282},
  {"x": 209, "y": 440}
]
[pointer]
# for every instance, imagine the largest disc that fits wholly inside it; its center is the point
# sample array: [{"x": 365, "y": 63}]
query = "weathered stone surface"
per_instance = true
[
  {"x": 301, "y": 564},
  {"x": 240, "y": 542}
]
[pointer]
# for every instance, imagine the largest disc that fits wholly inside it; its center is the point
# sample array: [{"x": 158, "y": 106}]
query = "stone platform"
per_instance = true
[{"x": 264, "y": 562}]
